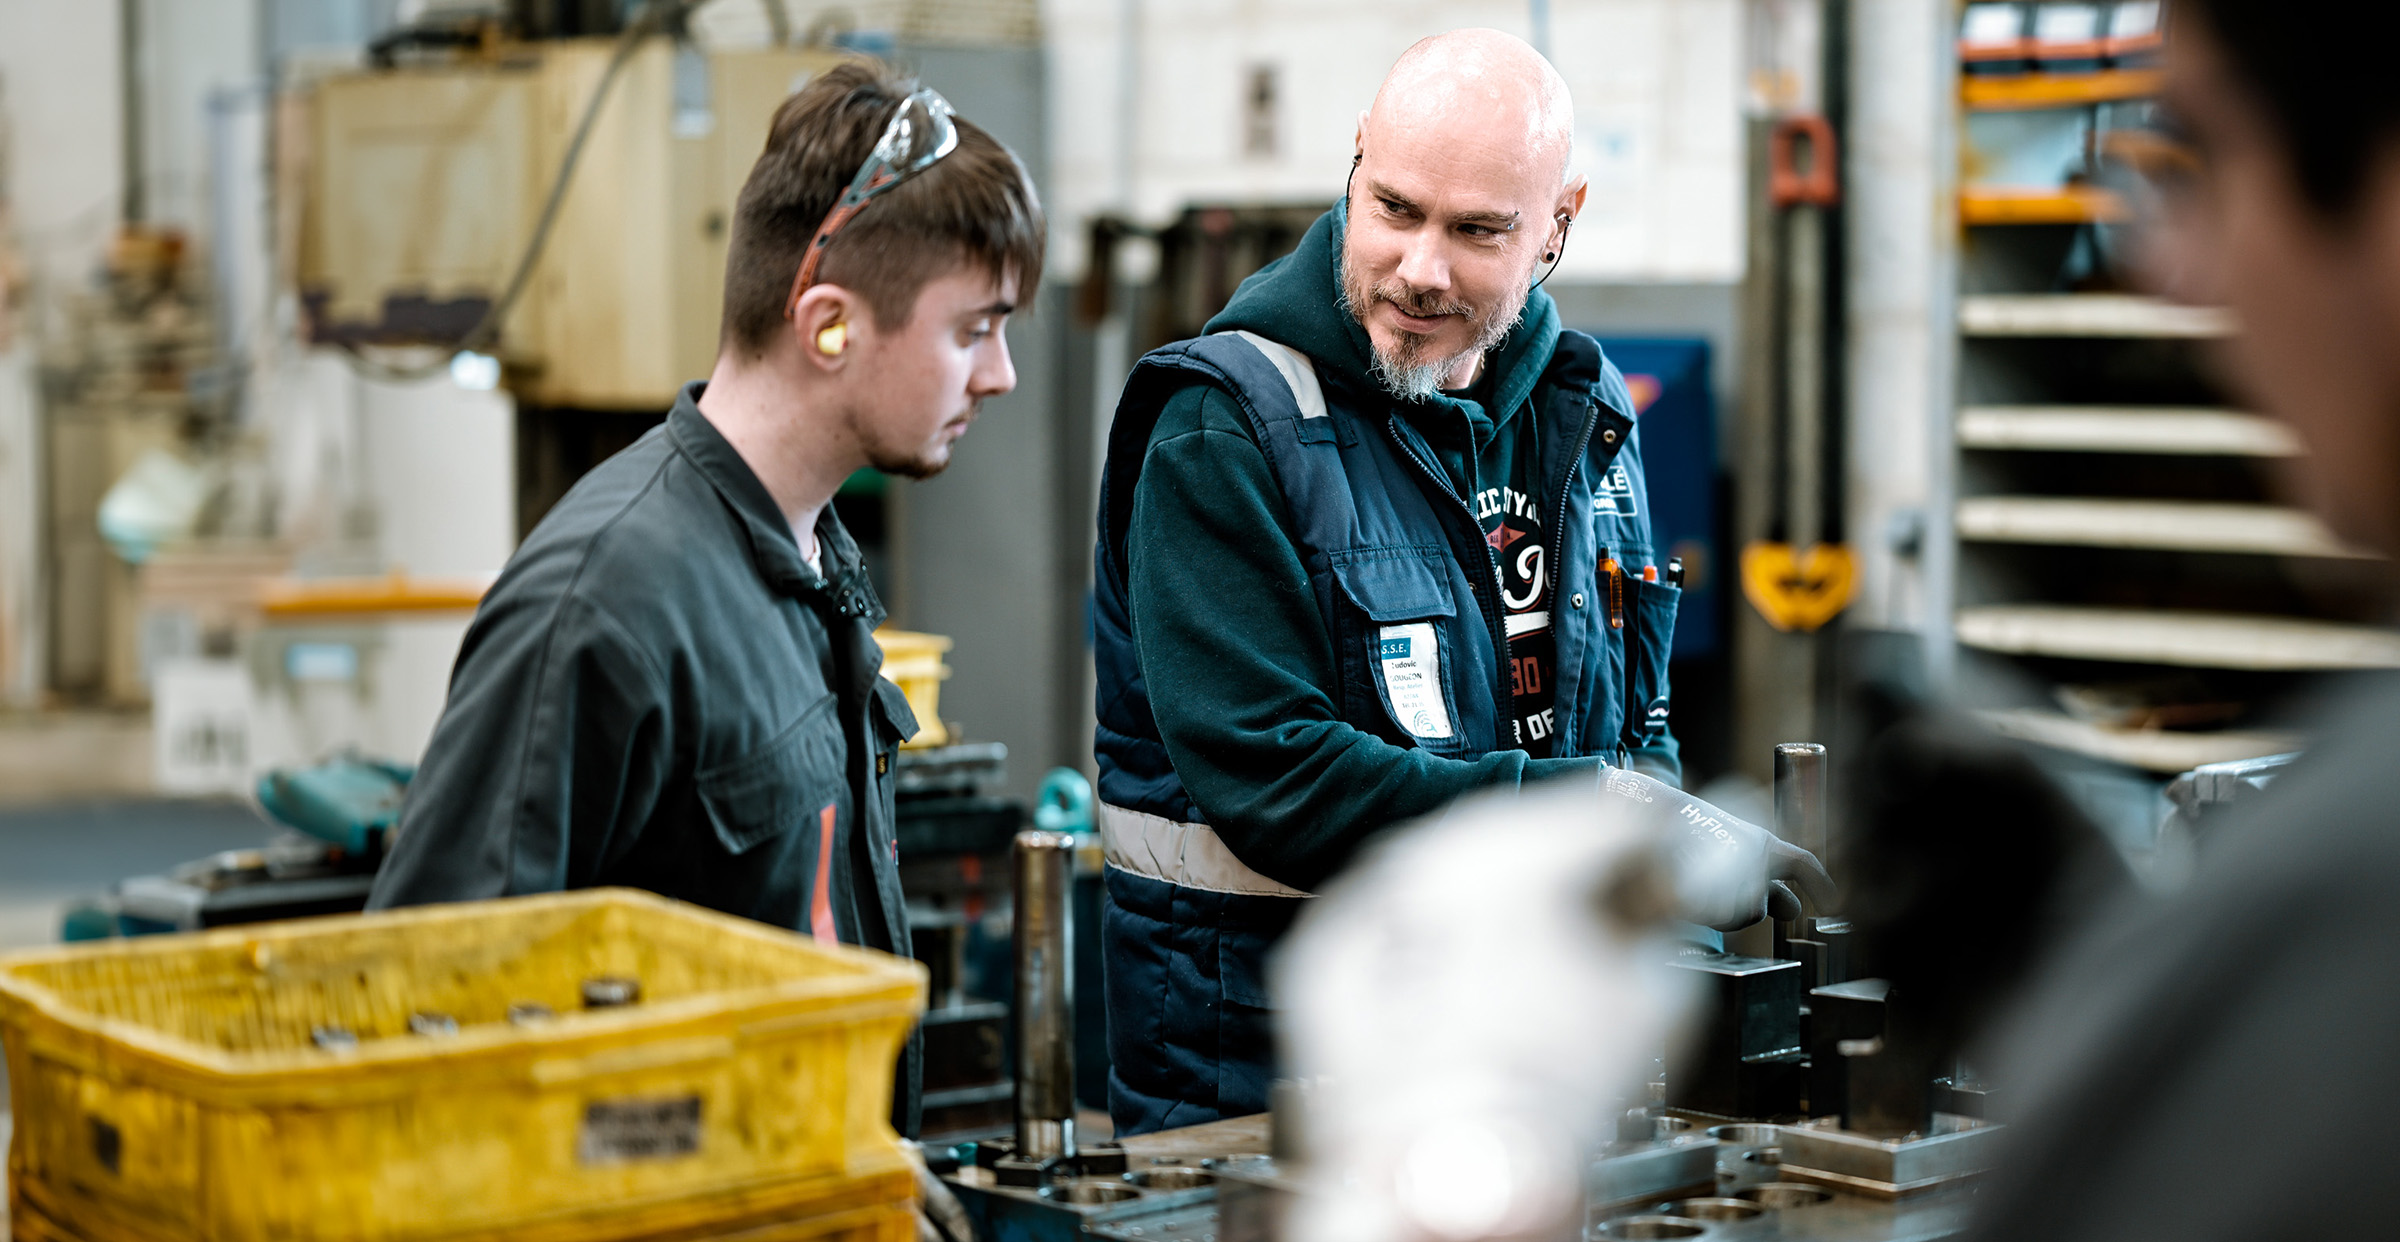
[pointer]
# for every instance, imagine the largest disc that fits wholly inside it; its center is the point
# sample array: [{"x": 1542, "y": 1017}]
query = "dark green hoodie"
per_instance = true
[{"x": 1234, "y": 651}]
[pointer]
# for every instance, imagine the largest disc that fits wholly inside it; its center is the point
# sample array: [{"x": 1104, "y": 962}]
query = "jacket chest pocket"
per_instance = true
[
  {"x": 793, "y": 780},
  {"x": 1649, "y": 610},
  {"x": 1403, "y": 642}
]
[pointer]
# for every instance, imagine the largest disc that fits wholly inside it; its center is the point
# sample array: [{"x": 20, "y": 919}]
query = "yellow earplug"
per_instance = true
[{"x": 831, "y": 340}]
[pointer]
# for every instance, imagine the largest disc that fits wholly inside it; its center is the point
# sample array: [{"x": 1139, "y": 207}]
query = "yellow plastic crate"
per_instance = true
[
  {"x": 171, "y": 1087},
  {"x": 913, "y": 662},
  {"x": 883, "y": 1220}
]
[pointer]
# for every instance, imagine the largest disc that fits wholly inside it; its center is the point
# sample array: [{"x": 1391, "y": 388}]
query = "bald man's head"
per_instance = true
[
  {"x": 1460, "y": 189},
  {"x": 1485, "y": 86}
]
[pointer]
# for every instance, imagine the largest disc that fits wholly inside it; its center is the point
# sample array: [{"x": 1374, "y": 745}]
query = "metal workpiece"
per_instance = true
[
  {"x": 1802, "y": 818},
  {"x": 1748, "y": 1060},
  {"x": 1801, "y": 813},
  {"x": 1822, "y": 947},
  {"x": 1874, "y": 1063},
  {"x": 1156, "y": 1186},
  {"x": 1951, "y": 1149},
  {"x": 1150, "y": 1202},
  {"x": 1045, "y": 1007},
  {"x": 1756, "y": 1197},
  {"x": 1670, "y": 1158},
  {"x": 1963, "y": 1093},
  {"x": 1845, "y": 1015}
]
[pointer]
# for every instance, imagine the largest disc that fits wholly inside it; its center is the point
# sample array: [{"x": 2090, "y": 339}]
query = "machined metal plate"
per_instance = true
[
  {"x": 1959, "y": 1147},
  {"x": 1634, "y": 1172}
]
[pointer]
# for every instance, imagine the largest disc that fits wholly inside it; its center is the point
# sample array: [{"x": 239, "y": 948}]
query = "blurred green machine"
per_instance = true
[{"x": 335, "y": 816}]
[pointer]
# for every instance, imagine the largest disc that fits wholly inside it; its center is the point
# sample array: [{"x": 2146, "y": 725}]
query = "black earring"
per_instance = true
[{"x": 1549, "y": 256}]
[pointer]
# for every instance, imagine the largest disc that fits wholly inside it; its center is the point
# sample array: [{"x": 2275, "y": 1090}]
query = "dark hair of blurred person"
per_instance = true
[{"x": 2209, "y": 1063}]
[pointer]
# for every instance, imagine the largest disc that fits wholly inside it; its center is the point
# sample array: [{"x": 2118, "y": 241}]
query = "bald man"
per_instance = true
[{"x": 1376, "y": 539}]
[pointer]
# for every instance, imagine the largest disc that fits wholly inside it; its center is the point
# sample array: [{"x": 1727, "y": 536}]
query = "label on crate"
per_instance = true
[{"x": 619, "y": 1130}]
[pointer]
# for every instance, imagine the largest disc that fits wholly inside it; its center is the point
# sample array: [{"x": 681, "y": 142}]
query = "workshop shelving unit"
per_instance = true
[{"x": 2131, "y": 586}]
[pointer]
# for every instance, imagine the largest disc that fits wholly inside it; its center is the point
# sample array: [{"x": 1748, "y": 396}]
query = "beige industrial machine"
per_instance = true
[{"x": 420, "y": 186}]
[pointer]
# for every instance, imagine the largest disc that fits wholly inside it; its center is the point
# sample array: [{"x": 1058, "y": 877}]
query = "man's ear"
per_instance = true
[
  {"x": 1570, "y": 200},
  {"x": 1358, "y": 140},
  {"x": 826, "y": 324}
]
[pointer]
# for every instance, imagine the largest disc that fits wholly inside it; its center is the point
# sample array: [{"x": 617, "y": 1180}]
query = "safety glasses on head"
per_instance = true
[{"x": 922, "y": 130}]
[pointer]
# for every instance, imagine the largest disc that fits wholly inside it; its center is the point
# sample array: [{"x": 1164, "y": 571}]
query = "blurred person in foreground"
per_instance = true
[
  {"x": 2206, "y": 1064},
  {"x": 1377, "y": 539},
  {"x": 673, "y": 684}
]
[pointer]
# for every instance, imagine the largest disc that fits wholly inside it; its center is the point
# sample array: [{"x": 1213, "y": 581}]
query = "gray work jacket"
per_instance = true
[{"x": 659, "y": 692}]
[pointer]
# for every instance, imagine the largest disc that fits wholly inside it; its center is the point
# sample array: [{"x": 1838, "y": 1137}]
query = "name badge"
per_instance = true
[{"x": 1412, "y": 678}]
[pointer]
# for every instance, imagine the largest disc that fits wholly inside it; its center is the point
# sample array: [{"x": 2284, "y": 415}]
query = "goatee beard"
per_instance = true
[{"x": 1405, "y": 370}]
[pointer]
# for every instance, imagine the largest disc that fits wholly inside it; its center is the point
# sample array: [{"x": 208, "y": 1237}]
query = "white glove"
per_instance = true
[
  {"x": 1466, "y": 1000},
  {"x": 1729, "y": 873}
]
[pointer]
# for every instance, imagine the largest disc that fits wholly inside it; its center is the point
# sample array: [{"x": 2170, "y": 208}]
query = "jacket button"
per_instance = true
[
  {"x": 1608, "y": 437},
  {"x": 1577, "y": 601}
]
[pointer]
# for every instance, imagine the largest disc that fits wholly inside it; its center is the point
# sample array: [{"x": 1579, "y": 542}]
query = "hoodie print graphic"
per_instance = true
[{"x": 1512, "y": 524}]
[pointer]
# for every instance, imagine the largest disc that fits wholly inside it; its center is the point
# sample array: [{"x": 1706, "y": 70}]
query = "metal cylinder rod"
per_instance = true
[
  {"x": 1800, "y": 812},
  {"x": 1044, "y": 1013}
]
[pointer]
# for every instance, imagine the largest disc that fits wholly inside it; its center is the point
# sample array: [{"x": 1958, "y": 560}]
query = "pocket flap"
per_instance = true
[
  {"x": 781, "y": 785},
  {"x": 892, "y": 712},
  {"x": 1398, "y": 584}
]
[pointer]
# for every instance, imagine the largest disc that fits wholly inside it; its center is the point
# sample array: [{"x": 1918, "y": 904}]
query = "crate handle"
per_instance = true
[{"x": 555, "y": 1071}]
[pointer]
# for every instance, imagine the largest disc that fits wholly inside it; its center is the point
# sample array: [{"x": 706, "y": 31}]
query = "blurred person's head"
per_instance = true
[
  {"x": 1459, "y": 189},
  {"x": 2293, "y": 221},
  {"x": 899, "y": 337}
]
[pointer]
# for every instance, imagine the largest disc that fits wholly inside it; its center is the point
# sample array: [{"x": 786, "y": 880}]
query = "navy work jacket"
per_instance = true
[{"x": 1409, "y": 590}]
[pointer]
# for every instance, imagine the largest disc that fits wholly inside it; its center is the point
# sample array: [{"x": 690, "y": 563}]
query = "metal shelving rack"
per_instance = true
[{"x": 2130, "y": 586}]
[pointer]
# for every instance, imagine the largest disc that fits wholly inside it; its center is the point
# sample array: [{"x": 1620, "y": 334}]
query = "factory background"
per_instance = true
[
  {"x": 311, "y": 309},
  {"x": 1145, "y": 115},
  {"x": 211, "y": 282},
  {"x": 223, "y": 247}
]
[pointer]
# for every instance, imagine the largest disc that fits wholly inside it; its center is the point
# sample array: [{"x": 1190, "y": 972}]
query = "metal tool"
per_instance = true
[
  {"x": 1803, "y": 817},
  {"x": 1045, "y": 1005},
  {"x": 1748, "y": 1061}
]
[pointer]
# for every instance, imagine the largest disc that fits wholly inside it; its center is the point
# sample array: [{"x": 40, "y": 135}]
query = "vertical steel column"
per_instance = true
[{"x": 1044, "y": 1012}]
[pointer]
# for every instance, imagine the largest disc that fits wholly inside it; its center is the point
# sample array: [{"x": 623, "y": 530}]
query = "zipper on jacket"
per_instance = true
[
  {"x": 1485, "y": 585},
  {"x": 1553, "y": 554},
  {"x": 1558, "y": 507}
]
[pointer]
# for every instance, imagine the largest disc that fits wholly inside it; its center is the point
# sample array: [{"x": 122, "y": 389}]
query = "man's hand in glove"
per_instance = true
[{"x": 1728, "y": 873}]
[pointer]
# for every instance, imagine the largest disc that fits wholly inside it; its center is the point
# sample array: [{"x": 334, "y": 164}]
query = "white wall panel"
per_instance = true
[{"x": 1657, "y": 88}]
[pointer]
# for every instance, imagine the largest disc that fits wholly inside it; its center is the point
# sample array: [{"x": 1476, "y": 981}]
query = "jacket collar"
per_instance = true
[
  {"x": 844, "y": 586},
  {"x": 1297, "y": 300}
]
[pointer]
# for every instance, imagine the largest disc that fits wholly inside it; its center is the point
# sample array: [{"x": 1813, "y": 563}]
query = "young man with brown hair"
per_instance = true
[{"x": 673, "y": 684}]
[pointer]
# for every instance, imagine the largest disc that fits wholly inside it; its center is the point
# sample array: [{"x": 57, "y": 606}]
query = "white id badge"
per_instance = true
[{"x": 1412, "y": 678}]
